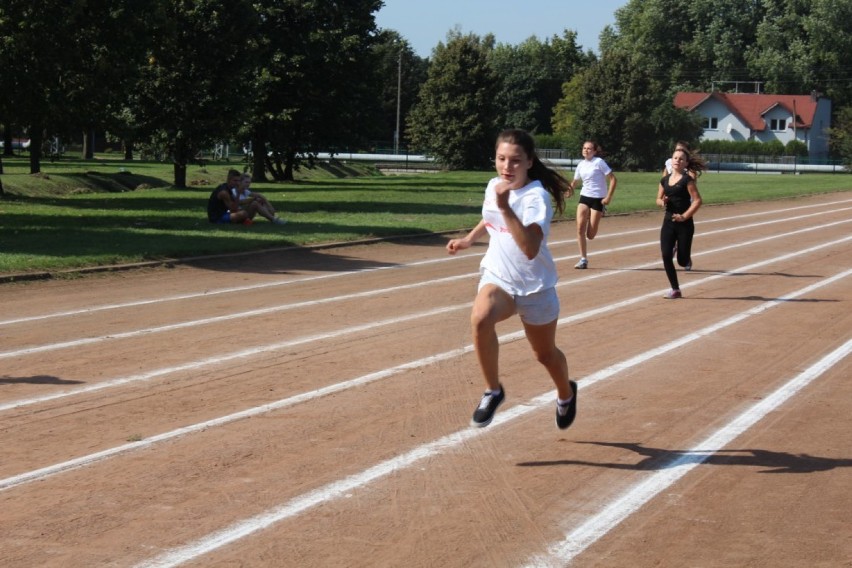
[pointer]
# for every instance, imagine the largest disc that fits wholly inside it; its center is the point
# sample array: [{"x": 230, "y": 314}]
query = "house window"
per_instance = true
[
  {"x": 710, "y": 123},
  {"x": 778, "y": 124}
]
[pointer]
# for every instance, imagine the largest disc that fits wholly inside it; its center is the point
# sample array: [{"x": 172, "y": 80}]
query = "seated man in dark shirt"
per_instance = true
[{"x": 223, "y": 208}]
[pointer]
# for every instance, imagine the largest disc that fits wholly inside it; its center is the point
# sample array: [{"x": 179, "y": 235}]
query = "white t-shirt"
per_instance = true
[
  {"x": 669, "y": 165},
  {"x": 593, "y": 173},
  {"x": 504, "y": 258}
]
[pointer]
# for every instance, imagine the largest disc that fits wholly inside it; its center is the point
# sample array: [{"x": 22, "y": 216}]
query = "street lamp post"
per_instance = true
[{"x": 398, "y": 100}]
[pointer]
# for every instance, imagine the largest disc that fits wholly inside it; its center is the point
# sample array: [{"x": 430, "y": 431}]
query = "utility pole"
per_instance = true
[{"x": 398, "y": 101}]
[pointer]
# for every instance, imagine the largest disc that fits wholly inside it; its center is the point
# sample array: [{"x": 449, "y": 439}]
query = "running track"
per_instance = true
[{"x": 310, "y": 408}]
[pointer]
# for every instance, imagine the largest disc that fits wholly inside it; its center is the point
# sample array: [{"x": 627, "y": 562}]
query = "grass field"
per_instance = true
[{"x": 80, "y": 213}]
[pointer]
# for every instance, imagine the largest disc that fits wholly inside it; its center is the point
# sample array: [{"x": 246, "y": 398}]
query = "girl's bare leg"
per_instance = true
[
  {"x": 594, "y": 223},
  {"x": 582, "y": 224},
  {"x": 492, "y": 305},
  {"x": 542, "y": 339}
]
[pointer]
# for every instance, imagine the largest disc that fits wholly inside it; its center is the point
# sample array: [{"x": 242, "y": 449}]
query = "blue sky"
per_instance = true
[{"x": 426, "y": 22}]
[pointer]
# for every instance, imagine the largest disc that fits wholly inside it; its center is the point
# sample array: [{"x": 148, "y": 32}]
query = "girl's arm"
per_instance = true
[
  {"x": 612, "y": 184},
  {"x": 456, "y": 245},
  {"x": 528, "y": 238},
  {"x": 661, "y": 196},
  {"x": 692, "y": 187}
]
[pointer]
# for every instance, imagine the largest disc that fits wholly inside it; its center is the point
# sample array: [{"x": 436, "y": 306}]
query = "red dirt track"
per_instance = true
[{"x": 311, "y": 407}]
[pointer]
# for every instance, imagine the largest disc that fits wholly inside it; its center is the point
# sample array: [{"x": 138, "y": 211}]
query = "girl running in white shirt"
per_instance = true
[
  {"x": 594, "y": 173},
  {"x": 518, "y": 274}
]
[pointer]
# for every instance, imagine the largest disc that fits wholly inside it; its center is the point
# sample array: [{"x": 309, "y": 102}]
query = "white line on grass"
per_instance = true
[
  {"x": 334, "y": 490},
  {"x": 578, "y": 540},
  {"x": 241, "y": 289}
]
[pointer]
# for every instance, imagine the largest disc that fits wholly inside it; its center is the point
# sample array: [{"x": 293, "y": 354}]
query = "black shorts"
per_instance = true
[{"x": 595, "y": 203}]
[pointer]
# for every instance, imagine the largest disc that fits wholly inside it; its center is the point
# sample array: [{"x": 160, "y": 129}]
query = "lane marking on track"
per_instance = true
[
  {"x": 344, "y": 487},
  {"x": 202, "y": 363},
  {"x": 368, "y": 293},
  {"x": 90, "y": 459},
  {"x": 246, "y": 288},
  {"x": 578, "y": 540}
]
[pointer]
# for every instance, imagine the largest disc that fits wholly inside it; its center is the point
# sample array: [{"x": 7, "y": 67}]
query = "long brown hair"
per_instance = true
[
  {"x": 555, "y": 184},
  {"x": 694, "y": 163}
]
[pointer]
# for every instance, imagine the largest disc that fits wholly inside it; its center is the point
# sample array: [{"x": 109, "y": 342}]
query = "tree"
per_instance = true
[
  {"x": 629, "y": 114},
  {"x": 56, "y": 58},
  {"x": 314, "y": 81},
  {"x": 191, "y": 93},
  {"x": 841, "y": 136},
  {"x": 804, "y": 46},
  {"x": 565, "y": 121},
  {"x": 531, "y": 76},
  {"x": 401, "y": 73},
  {"x": 455, "y": 117}
]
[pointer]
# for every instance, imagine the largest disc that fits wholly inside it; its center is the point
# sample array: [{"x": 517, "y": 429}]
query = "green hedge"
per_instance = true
[{"x": 754, "y": 148}]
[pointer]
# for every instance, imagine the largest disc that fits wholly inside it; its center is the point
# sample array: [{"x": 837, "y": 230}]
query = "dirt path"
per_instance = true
[{"x": 310, "y": 408}]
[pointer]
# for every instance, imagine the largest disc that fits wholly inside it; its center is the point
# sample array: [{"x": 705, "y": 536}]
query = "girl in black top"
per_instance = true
[{"x": 678, "y": 193}]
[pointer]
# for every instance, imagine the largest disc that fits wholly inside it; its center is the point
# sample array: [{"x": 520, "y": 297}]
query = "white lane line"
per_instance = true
[
  {"x": 365, "y": 379},
  {"x": 199, "y": 364},
  {"x": 595, "y": 528},
  {"x": 231, "y": 290},
  {"x": 364, "y": 294},
  {"x": 337, "y": 489},
  {"x": 249, "y": 287}
]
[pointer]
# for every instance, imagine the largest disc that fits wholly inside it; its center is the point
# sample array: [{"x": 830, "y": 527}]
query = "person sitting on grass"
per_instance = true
[
  {"x": 222, "y": 208},
  {"x": 244, "y": 196}
]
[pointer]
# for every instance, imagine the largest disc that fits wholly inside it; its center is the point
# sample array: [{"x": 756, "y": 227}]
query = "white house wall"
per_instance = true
[
  {"x": 730, "y": 127},
  {"x": 818, "y": 147}
]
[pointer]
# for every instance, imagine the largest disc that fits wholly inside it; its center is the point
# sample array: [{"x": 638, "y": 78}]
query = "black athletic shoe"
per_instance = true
[
  {"x": 484, "y": 413},
  {"x": 565, "y": 414}
]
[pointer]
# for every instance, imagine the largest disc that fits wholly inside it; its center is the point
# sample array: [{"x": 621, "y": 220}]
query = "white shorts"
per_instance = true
[{"x": 538, "y": 308}]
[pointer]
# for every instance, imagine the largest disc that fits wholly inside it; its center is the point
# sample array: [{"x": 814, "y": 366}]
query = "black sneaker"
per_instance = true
[
  {"x": 484, "y": 413},
  {"x": 565, "y": 413}
]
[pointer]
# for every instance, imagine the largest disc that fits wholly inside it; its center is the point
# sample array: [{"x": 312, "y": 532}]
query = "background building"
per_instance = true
[{"x": 750, "y": 116}]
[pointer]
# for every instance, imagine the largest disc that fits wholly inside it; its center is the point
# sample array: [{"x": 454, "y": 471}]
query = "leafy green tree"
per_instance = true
[
  {"x": 719, "y": 32},
  {"x": 455, "y": 117},
  {"x": 628, "y": 113},
  {"x": 192, "y": 90},
  {"x": 314, "y": 81},
  {"x": 532, "y": 74},
  {"x": 804, "y": 46},
  {"x": 565, "y": 121},
  {"x": 841, "y": 136},
  {"x": 401, "y": 74},
  {"x": 63, "y": 62},
  {"x": 687, "y": 42}
]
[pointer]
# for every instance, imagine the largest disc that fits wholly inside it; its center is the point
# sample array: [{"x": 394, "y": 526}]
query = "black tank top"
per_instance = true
[{"x": 678, "y": 194}]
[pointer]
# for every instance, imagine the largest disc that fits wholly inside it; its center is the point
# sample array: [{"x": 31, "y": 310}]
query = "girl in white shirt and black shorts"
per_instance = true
[{"x": 594, "y": 173}]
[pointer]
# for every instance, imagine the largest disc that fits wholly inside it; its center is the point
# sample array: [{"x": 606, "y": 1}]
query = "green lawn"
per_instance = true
[{"x": 87, "y": 213}]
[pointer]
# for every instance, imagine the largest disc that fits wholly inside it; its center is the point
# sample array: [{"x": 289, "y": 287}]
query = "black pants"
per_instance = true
[{"x": 676, "y": 234}]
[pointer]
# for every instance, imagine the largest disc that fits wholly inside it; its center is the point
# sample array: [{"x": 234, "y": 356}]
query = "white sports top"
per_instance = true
[
  {"x": 593, "y": 173},
  {"x": 504, "y": 258}
]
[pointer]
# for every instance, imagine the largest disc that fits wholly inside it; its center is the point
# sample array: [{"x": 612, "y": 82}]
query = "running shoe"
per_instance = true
[
  {"x": 279, "y": 221},
  {"x": 565, "y": 413},
  {"x": 582, "y": 264},
  {"x": 672, "y": 294},
  {"x": 688, "y": 266},
  {"x": 248, "y": 222},
  {"x": 484, "y": 413}
]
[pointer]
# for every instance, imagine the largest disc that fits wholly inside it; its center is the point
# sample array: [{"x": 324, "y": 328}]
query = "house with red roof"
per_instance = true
[{"x": 757, "y": 116}]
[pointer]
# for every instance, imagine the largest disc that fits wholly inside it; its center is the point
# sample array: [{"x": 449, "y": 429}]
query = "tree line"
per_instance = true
[{"x": 295, "y": 77}]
